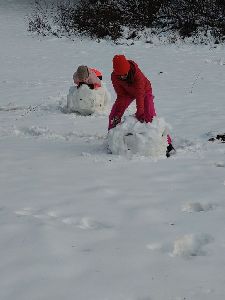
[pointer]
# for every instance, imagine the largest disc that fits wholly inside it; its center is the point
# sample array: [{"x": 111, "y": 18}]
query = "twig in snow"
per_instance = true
[{"x": 194, "y": 82}]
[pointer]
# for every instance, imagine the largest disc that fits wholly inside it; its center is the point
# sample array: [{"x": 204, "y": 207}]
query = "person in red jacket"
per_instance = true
[{"x": 130, "y": 83}]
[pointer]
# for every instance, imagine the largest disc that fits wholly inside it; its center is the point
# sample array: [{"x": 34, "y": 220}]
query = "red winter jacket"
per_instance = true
[{"x": 136, "y": 87}]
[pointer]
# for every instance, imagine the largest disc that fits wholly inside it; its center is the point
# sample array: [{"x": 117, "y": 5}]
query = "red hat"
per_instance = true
[{"x": 121, "y": 65}]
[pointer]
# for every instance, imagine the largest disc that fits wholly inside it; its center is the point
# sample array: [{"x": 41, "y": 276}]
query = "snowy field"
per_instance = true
[{"x": 79, "y": 223}]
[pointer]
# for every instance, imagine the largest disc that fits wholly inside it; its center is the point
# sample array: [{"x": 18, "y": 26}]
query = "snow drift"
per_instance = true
[
  {"x": 86, "y": 101},
  {"x": 131, "y": 136}
]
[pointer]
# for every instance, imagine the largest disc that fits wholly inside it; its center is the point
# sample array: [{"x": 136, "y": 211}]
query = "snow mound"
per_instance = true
[
  {"x": 86, "y": 101},
  {"x": 146, "y": 139},
  {"x": 191, "y": 245}
]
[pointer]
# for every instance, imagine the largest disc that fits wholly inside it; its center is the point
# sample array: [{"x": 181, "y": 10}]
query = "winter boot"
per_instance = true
[{"x": 170, "y": 150}]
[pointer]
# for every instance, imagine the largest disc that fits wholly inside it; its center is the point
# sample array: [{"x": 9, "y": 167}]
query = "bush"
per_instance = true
[
  {"x": 65, "y": 19},
  {"x": 41, "y": 19},
  {"x": 188, "y": 16},
  {"x": 140, "y": 13},
  {"x": 107, "y": 19},
  {"x": 101, "y": 19}
]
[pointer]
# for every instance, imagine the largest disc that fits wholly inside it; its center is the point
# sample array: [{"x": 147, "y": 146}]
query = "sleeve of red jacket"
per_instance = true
[{"x": 122, "y": 101}]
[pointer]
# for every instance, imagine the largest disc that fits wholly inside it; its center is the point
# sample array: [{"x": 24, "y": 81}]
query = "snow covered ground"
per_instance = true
[{"x": 79, "y": 223}]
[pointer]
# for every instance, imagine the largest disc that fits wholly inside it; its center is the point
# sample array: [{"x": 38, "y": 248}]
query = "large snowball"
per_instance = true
[
  {"x": 86, "y": 101},
  {"x": 146, "y": 139}
]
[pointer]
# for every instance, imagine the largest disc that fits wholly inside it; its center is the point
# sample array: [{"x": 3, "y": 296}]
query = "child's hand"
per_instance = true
[{"x": 115, "y": 121}]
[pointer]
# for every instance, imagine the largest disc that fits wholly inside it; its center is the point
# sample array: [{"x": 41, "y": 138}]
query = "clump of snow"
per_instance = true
[
  {"x": 154, "y": 246},
  {"x": 220, "y": 164},
  {"x": 131, "y": 136},
  {"x": 191, "y": 245},
  {"x": 87, "y": 223},
  {"x": 24, "y": 212},
  {"x": 197, "y": 207},
  {"x": 86, "y": 101}
]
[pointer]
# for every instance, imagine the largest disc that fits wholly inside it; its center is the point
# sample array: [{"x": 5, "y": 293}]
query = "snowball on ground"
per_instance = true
[
  {"x": 86, "y": 101},
  {"x": 131, "y": 136}
]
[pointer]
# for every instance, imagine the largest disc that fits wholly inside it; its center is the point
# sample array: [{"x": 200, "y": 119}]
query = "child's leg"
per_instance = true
[{"x": 169, "y": 139}]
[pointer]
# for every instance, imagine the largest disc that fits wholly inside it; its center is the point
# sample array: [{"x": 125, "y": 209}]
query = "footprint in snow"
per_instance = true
[
  {"x": 38, "y": 132},
  {"x": 70, "y": 221},
  {"x": 46, "y": 216},
  {"x": 84, "y": 223},
  {"x": 186, "y": 246},
  {"x": 220, "y": 164},
  {"x": 197, "y": 207},
  {"x": 27, "y": 211},
  {"x": 160, "y": 247},
  {"x": 191, "y": 245}
]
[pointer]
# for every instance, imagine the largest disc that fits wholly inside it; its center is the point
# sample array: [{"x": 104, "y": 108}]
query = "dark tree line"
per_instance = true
[{"x": 108, "y": 18}]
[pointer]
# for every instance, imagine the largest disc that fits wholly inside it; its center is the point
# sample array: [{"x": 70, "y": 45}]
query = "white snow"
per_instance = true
[{"x": 79, "y": 223}]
